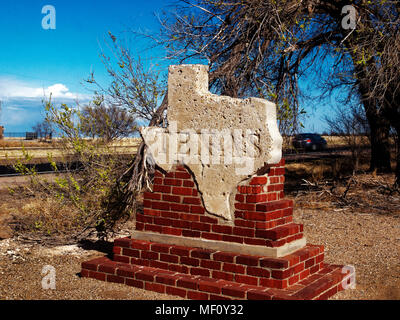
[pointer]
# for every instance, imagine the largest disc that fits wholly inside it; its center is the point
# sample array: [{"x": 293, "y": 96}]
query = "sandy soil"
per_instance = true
[
  {"x": 364, "y": 233},
  {"x": 21, "y": 275},
  {"x": 368, "y": 242}
]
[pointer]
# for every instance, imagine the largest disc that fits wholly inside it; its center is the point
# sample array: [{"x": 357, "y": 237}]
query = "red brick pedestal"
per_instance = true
[{"x": 181, "y": 250}]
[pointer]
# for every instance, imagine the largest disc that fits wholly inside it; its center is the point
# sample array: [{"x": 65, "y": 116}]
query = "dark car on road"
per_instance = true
[{"x": 309, "y": 141}]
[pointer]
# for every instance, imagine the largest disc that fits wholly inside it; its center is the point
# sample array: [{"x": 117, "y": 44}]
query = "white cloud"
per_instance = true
[
  {"x": 22, "y": 102},
  {"x": 11, "y": 89},
  {"x": 12, "y": 108}
]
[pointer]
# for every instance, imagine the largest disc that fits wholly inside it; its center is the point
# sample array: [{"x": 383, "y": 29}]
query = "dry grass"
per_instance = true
[
  {"x": 362, "y": 193},
  {"x": 317, "y": 170},
  {"x": 339, "y": 141},
  {"x": 45, "y": 220},
  {"x": 322, "y": 169},
  {"x": 332, "y": 141},
  {"x": 46, "y": 216},
  {"x": 11, "y": 150},
  {"x": 19, "y": 143},
  {"x": 38, "y": 217}
]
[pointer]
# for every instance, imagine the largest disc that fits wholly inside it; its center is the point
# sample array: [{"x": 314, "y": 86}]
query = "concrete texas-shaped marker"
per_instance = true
[{"x": 221, "y": 140}]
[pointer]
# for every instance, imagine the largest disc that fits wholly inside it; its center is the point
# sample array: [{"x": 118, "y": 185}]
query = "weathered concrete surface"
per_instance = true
[
  {"x": 222, "y": 140},
  {"x": 277, "y": 252}
]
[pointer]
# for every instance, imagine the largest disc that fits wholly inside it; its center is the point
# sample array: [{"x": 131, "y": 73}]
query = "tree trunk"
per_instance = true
[
  {"x": 379, "y": 125},
  {"x": 380, "y": 144},
  {"x": 397, "y": 182},
  {"x": 393, "y": 115}
]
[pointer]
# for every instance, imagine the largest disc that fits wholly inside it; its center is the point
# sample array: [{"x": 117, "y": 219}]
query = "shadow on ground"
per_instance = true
[{"x": 102, "y": 246}]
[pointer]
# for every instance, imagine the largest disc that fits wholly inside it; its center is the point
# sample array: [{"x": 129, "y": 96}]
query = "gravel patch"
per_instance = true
[
  {"x": 369, "y": 242},
  {"x": 21, "y": 275}
]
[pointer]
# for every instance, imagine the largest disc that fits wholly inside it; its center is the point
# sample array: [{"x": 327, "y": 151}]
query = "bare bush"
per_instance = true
[
  {"x": 351, "y": 124},
  {"x": 43, "y": 129},
  {"x": 107, "y": 122},
  {"x": 83, "y": 198}
]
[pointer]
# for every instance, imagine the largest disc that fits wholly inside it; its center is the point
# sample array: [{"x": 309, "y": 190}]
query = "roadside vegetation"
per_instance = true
[{"x": 84, "y": 196}]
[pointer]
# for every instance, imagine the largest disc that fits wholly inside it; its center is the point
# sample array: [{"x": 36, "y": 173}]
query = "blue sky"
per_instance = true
[{"x": 34, "y": 61}]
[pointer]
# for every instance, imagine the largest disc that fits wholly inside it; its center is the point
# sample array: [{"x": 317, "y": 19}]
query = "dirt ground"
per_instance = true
[{"x": 366, "y": 236}]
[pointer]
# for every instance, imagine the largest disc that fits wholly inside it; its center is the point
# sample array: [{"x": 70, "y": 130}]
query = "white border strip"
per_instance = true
[{"x": 277, "y": 252}]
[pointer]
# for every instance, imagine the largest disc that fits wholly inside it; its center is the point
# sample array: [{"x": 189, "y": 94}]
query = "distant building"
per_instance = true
[
  {"x": 1, "y": 132},
  {"x": 31, "y": 135}
]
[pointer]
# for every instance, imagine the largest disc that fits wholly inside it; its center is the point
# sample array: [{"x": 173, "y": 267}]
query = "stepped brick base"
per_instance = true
[
  {"x": 277, "y": 263},
  {"x": 201, "y": 274}
]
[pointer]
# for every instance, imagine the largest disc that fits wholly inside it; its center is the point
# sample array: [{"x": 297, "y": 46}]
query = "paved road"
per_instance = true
[
  {"x": 329, "y": 153},
  {"x": 15, "y": 181}
]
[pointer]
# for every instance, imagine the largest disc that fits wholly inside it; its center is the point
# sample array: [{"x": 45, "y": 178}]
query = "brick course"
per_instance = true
[
  {"x": 229, "y": 264},
  {"x": 199, "y": 285},
  {"x": 262, "y": 217}
]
